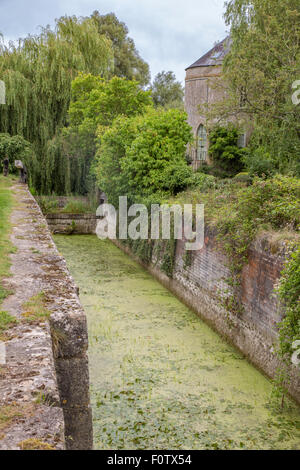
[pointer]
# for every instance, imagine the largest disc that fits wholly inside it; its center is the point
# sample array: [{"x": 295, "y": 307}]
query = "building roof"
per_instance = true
[{"x": 215, "y": 56}]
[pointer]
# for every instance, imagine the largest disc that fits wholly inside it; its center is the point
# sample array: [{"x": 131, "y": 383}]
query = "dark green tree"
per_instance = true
[
  {"x": 94, "y": 106},
  {"x": 127, "y": 61},
  {"x": 259, "y": 74},
  {"x": 145, "y": 154},
  {"x": 224, "y": 150},
  {"x": 166, "y": 91}
]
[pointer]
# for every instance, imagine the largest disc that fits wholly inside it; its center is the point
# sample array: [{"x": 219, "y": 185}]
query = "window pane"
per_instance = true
[{"x": 201, "y": 143}]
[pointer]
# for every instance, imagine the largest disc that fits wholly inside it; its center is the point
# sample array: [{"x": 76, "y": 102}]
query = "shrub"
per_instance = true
[
  {"x": 243, "y": 177},
  {"x": 155, "y": 161},
  {"x": 48, "y": 204},
  {"x": 143, "y": 155},
  {"x": 76, "y": 207},
  {"x": 224, "y": 150},
  {"x": 259, "y": 163},
  {"x": 289, "y": 294},
  {"x": 238, "y": 212},
  {"x": 203, "y": 181}
]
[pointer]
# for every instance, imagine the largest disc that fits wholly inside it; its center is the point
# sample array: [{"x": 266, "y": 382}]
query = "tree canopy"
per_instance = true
[
  {"x": 166, "y": 91},
  {"x": 38, "y": 72},
  {"x": 145, "y": 154},
  {"x": 95, "y": 104},
  {"x": 259, "y": 72},
  {"x": 127, "y": 61}
]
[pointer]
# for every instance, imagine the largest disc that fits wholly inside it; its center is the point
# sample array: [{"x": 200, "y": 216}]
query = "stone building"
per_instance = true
[{"x": 199, "y": 90}]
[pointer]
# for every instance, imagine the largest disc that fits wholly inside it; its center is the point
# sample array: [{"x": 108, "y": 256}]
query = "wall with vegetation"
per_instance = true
[
  {"x": 72, "y": 223},
  {"x": 200, "y": 279},
  {"x": 203, "y": 280},
  {"x": 47, "y": 351}
]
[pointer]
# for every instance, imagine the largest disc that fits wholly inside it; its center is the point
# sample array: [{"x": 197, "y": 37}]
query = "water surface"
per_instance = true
[{"x": 160, "y": 377}]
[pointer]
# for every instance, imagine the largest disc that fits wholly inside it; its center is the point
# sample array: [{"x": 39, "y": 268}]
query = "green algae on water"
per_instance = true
[{"x": 160, "y": 377}]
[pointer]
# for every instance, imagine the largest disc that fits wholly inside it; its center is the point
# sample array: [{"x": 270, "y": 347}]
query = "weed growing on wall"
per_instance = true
[
  {"x": 239, "y": 212},
  {"x": 6, "y": 247},
  {"x": 289, "y": 294}
]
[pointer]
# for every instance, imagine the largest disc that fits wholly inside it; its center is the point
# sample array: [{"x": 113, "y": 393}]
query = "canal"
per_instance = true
[{"x": 160, "y": 377}]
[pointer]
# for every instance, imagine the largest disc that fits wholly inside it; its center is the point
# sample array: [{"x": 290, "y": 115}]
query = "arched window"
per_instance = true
[{"x": 201, "y": 143}]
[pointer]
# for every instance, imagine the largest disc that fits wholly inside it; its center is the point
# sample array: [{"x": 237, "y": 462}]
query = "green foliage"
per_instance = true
[
  {"x": 168, "y": 261},
  {"x": 166, "y": 91},
  {"x": 95, "y": 104},
  {"x": 47, "y": 204},
  {"x": 289, "y": 295},
  {"x": 112, "y": 149},
  {"x": 6, "y": 321},
  {"x": 243, "y": 177},
  {"x": 202, "y": 181},
  {"x": 259, "y": 71},
  {"x": 38, "y": 72},
  {"x": 142, "y": 249},
  {"x": 155, "y": 160},
  {"x": 51, "y": 204},
  {"x": 187, "y": 259},
  {"x": 127, "y": 61},
  {"x": 5, "y": 244},
  {"x": 76, "y": 207},
  {"x": 275, "y": 202},
  {"x": 17, "y": 148},
  {"x": 144, "y": 155},
  {"x": 57, "y": 174},
  {"x": 71, "y": 229},
  {"x": 259, "y": 162},
  {"x": 239, "y": 211},
  {"x": 224, "y": 149}
]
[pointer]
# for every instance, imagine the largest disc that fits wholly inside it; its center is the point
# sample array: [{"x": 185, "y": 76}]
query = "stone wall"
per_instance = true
[
  {"x": 201, "y": 284},
  {"x": 72, "y": 223},
  {"x": 44, "y": 377}
]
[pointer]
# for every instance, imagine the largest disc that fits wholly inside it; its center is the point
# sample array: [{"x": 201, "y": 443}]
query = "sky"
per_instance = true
[{"x": 169, "y": 34}]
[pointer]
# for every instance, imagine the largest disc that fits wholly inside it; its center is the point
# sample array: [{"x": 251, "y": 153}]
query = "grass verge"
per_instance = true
[
  {"x": 6, "y": 247},
  {"x": 35, "y": 310},
  {"x": 6, "y": 322}
]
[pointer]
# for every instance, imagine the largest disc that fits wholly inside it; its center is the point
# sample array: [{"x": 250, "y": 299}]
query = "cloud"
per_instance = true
[{"x": 169, "y": 34}]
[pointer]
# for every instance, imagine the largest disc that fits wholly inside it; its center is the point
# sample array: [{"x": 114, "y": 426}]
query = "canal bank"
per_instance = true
[
  {"x": 160, "y": 377},
  {"x": 44, "y": 379}
]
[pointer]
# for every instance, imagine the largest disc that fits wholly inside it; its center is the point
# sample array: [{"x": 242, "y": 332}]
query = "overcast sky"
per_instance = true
[{"x": 169, "y": 34}]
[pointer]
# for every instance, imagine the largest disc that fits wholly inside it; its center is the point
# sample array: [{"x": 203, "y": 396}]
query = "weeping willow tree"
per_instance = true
[{"x": 38, "y": 72}]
